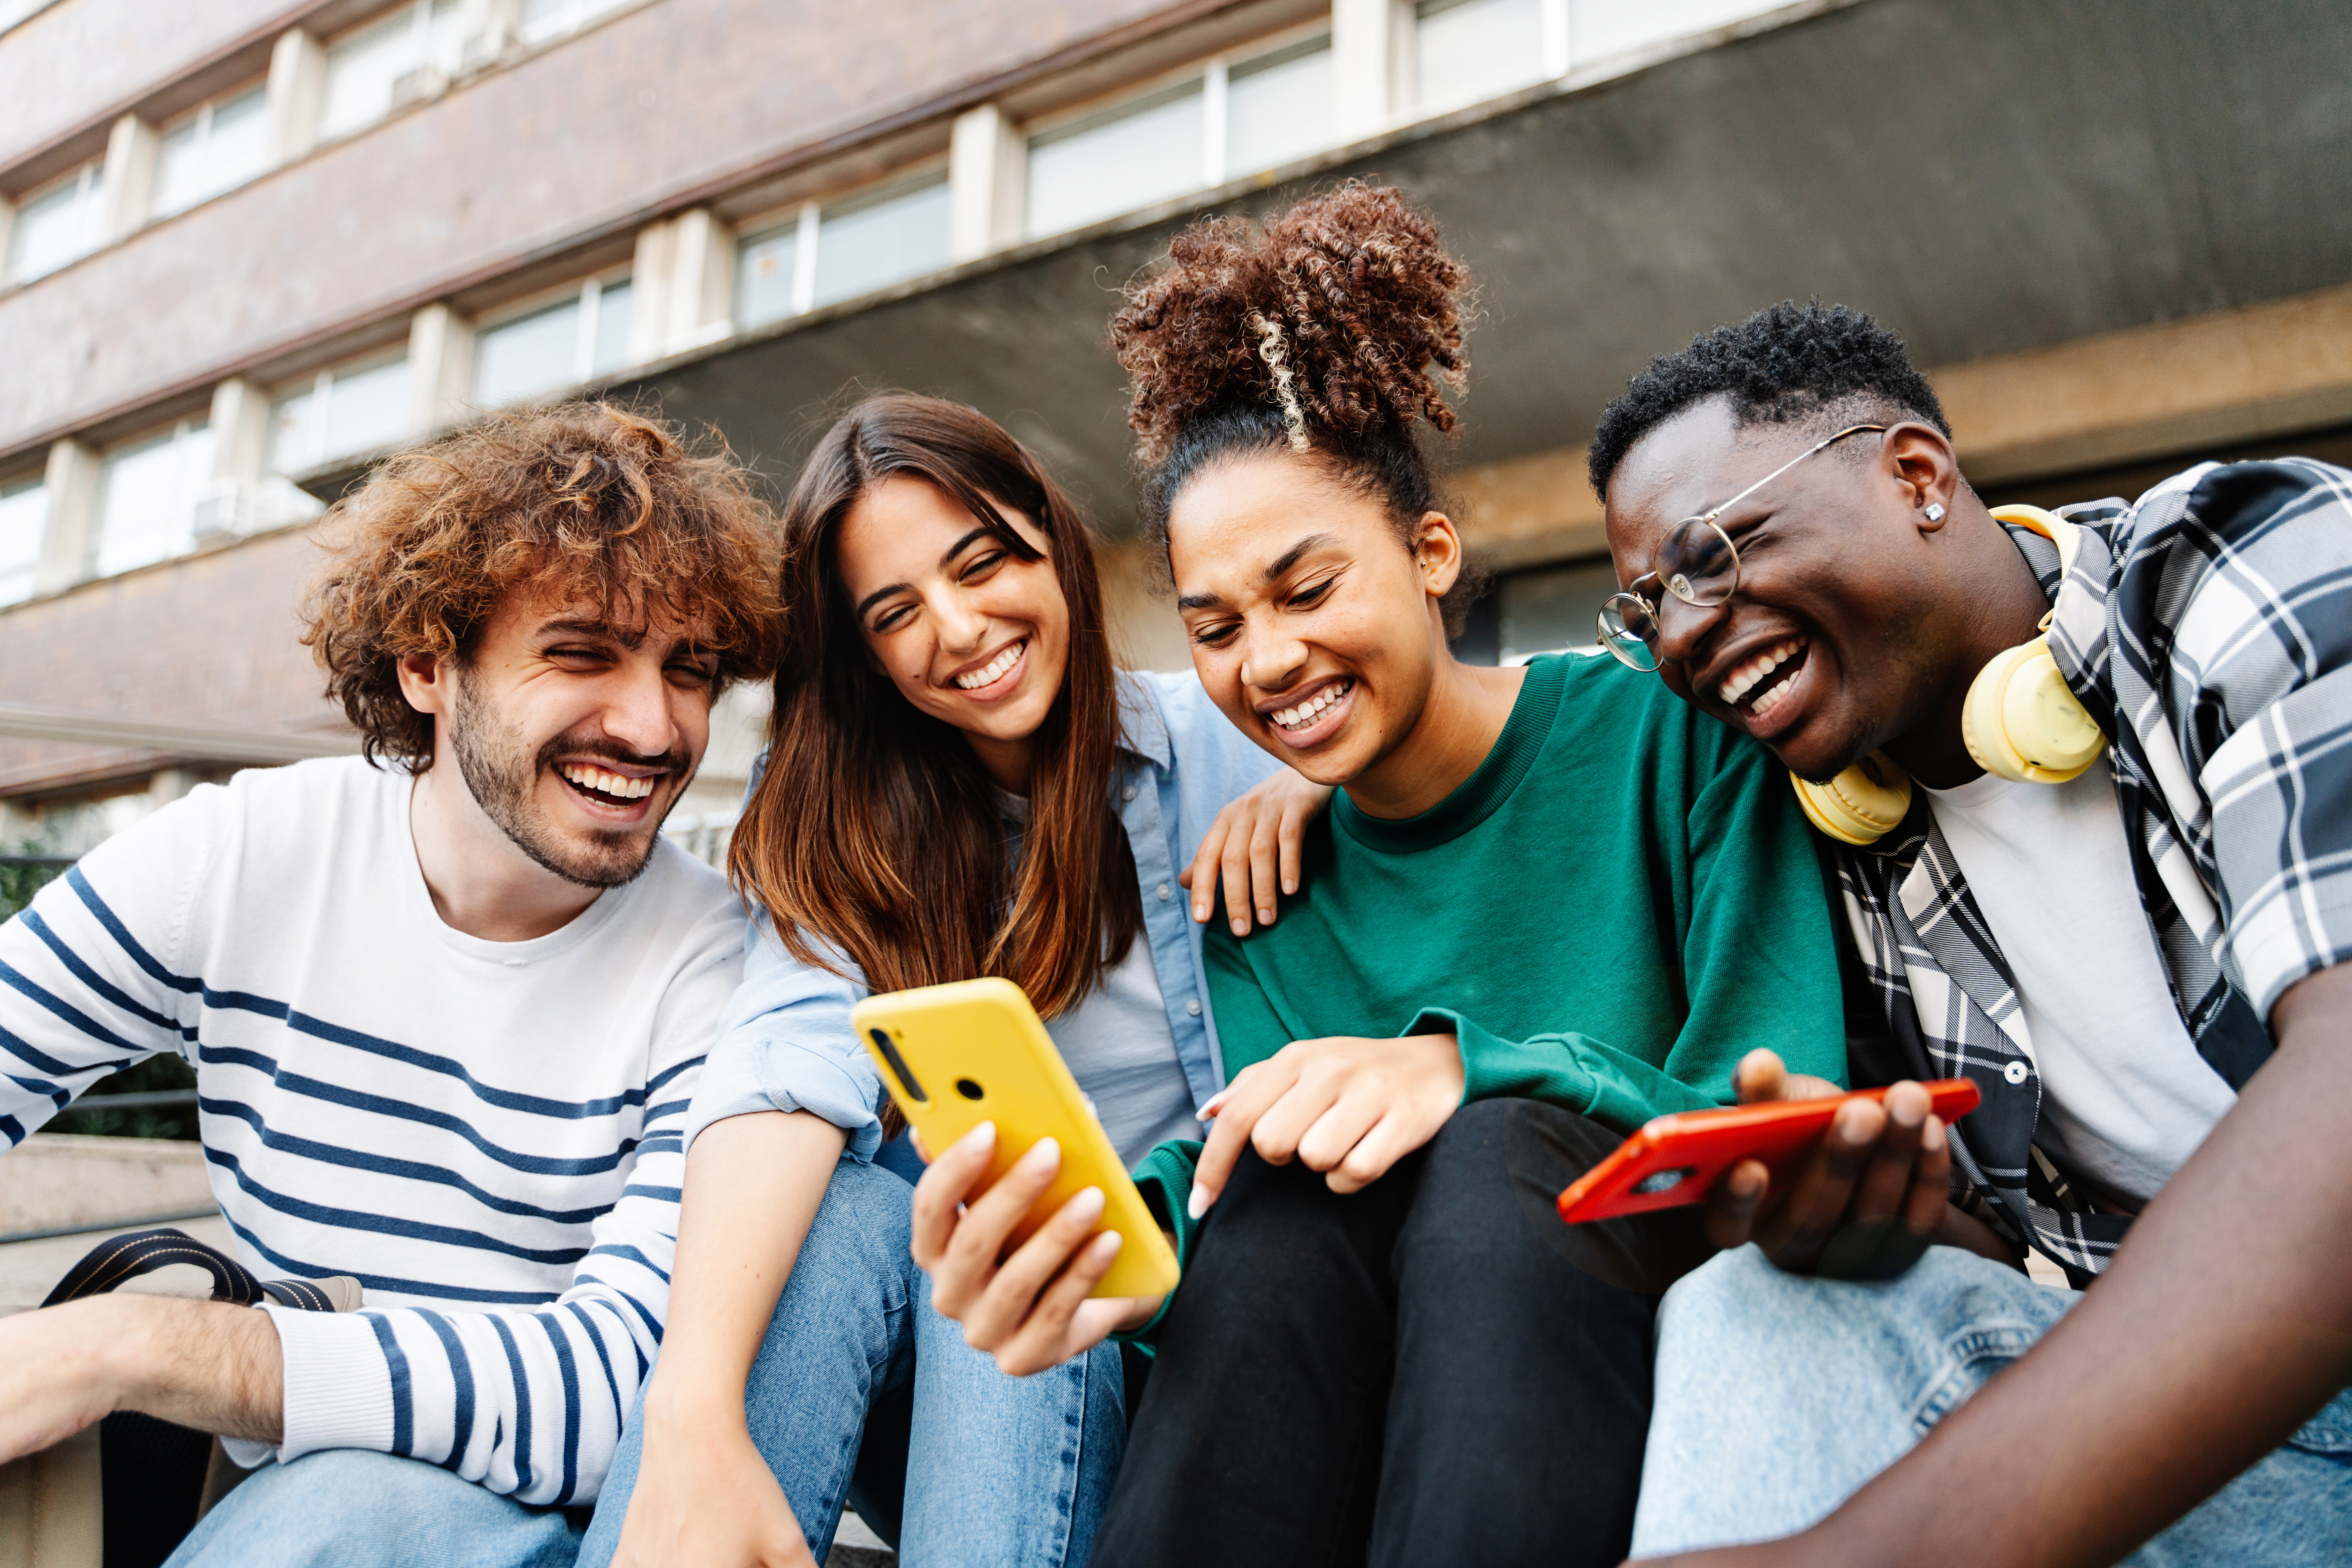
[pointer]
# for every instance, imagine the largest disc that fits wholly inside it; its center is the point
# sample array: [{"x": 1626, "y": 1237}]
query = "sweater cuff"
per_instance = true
[
  {"x": 338, "y": 1382},
  {"x": 1496, "y": 1068},
  {"x": 1165, "y": 1179}
]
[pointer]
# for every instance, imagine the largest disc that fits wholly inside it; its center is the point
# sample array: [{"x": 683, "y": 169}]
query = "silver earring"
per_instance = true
[{"x": 1935, "y": 511}]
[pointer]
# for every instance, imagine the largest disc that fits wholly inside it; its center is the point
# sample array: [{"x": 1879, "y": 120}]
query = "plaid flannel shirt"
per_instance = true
[{"x": 2208, "y": 629}]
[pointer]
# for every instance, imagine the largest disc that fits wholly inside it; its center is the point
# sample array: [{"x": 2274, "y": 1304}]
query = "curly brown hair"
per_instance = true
[
  {"x": 585, "y": 500},
  {"x": 1334, "y": 329},
  {"x": 1336, "y": 312}
]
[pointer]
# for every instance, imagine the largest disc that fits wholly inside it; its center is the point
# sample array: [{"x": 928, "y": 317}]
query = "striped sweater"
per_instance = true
[{"x": 486, "y": 1135}]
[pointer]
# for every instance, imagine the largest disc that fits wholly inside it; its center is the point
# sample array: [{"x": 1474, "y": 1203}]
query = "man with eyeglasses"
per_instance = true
[{"x": 2126, "y": 932}]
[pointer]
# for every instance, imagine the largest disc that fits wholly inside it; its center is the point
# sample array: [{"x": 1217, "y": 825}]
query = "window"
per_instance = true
[
  {"x": 363, "y": 67},
  {"x": 1553, "y": 607},
  {"x": 767, "y": 276},
  {"x": 24, "y": 511},
  {"x": 351, "y": 408},
  {"x": 1235, "y": 118},
  {"x": 147, "y": 493},
  {"x": 580, "y": 336},
  {"x": 220, "y": 145},
  {"x": 842, "y": 249},
  {"x": 1278, "y": 107},
  {"x": 57, "y": 225},
  {"x": 1600, "y": 28},
  {"x": 875, "y": 242},
  {"x": 1142, "y": 152},
  {"x": 545, "y": 19},
  {"x": 1468, "y": 49}
]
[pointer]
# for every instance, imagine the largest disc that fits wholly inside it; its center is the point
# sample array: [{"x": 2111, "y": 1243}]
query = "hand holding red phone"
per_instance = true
[{"x": 1880, "y": 1162}]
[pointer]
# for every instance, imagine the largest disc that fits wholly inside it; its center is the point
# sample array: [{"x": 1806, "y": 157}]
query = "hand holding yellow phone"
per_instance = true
[{"x": 956, "y": 1055}]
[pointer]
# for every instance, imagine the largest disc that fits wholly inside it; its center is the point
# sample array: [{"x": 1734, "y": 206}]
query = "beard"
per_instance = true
[{"x": 502, "y": 770}]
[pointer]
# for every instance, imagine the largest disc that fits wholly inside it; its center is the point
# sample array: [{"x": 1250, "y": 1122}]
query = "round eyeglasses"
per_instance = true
[{"x": 1696, "y": 563}]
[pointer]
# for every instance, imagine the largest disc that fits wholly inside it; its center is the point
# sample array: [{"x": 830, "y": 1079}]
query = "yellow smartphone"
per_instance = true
[{"x": 956, "y": 1055}]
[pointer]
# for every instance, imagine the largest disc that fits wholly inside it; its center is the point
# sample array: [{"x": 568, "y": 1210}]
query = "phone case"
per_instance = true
[
  {"x": 958, "y": 1055},
  {"x": 1676, "y": 1159}
]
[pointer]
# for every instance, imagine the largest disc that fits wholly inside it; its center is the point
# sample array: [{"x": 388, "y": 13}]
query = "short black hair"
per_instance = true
[{"x": 1788, "y": 362}]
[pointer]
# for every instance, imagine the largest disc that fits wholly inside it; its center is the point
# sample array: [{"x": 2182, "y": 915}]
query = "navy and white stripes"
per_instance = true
[{"x": 485, "y": 1134}]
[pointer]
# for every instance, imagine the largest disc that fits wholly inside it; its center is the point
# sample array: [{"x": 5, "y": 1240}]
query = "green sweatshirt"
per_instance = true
[{"x": 1621, "y": 902}]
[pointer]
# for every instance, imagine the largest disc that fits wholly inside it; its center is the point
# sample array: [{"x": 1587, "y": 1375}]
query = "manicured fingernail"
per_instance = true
[
  {"x": 1107, "y": 1244},
  {"x": 1085, "y": 1205},
  {"x": 1216, "y": 1103},
  {"x": 1290, "y": 884},
  {"x": 1905, "y": 1112},
  {"x": 1198, "y": 1204},
  {"x": 1044, "y": 1154},
  {"x": 1241, "y": 927},
  {"x": 1932, "y": 1140},
  {"x": 1266, "y": 915},
  {"x": 981, "y": 1136},
  {"x": 1199, "y": 913}
]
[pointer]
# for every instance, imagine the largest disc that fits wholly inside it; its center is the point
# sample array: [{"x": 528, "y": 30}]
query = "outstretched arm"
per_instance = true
[
  {"x": 204, "y": 1364},
  {"x": 2223, "y": 1323}
]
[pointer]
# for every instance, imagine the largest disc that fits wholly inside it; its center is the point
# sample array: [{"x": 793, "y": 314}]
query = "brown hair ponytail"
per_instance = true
[
  {"x": 873, "y": 835},
  {"x": 1334, "y": 330}
]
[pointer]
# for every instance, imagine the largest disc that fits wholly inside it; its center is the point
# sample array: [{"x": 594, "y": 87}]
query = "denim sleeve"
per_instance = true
[{"x": 785, "y": 1044}]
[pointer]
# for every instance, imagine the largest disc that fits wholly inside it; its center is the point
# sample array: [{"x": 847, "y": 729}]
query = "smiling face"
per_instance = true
[
  {"x": 1839, "y": 637},
  {"x": 969, "y": 632},
  {"x": 1313, "y": 626},
  {"x": 575, "y": 734}
]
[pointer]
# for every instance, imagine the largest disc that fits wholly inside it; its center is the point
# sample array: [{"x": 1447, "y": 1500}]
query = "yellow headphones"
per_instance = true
[{"x": 2019, "y": 723}]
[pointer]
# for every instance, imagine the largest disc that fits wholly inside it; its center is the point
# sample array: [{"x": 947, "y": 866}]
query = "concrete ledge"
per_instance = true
[{"x": 59, "y": 1178}]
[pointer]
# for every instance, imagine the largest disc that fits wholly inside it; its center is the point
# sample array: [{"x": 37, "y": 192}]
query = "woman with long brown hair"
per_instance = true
[{"x": 958, "y": 783}]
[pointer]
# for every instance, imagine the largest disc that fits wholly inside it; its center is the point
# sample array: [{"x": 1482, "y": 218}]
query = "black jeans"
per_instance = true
[{"x": 1433, "y": 1370}]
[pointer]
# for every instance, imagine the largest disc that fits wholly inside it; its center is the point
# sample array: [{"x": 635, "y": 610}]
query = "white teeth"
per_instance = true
[
  {"x": 1293, "y": 718},
  {"x": 1744, "y": 679},
  {"x": 603, "y": 783},
  {"x": 993, "y": 671}
]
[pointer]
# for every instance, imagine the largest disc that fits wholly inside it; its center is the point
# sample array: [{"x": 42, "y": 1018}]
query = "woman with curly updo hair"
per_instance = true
[{"x": 1547, "y": 904}]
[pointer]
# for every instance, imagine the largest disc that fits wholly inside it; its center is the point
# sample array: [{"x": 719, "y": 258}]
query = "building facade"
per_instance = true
[{"x": 249, "y": 245}]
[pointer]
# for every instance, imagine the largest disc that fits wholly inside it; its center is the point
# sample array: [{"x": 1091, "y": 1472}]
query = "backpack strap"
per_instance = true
[{"x": 141, "y": 1252}]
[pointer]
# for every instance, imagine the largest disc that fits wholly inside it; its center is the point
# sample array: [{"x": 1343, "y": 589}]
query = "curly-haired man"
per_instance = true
[
  {"x": 2105, "y": 874},
  {"x": 446, "y": 1006}
]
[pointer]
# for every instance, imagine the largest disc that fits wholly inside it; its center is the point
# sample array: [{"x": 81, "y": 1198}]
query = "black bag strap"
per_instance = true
[{"x": 141, "y": 1252}]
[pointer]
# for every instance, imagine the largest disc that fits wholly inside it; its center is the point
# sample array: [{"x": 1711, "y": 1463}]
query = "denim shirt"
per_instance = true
[{"x": 785, "y": 1042}]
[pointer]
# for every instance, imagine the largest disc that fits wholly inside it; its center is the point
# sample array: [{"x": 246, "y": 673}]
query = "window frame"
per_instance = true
[
  {"x": 178, "y": 431},
  {"x": 588, "y": 296},
  {"x": 10, "y": 489},
  {"x": 87, "y": 180},
  {"x": 805, "y": 221},
  {"x": 320, "y": 386},
  {"x": 1214, "y": 74},
  {"x": 201, "y": 119},
  {"x": 420, "y": 15}
]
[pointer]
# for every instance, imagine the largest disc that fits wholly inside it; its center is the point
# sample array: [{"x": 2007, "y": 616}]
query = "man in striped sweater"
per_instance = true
[{"x": 445, "y": 1005}]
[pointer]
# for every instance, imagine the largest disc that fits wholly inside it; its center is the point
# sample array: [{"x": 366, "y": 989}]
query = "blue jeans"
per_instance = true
[
  {"x": 997, "y": 1471},
  {"x": 349, "y": 1509},
  {"x": 1779, "y": 1396}
]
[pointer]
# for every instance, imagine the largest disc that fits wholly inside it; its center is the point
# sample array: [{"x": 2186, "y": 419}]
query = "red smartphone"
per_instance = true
[{"x": 1676, "y": 1159}]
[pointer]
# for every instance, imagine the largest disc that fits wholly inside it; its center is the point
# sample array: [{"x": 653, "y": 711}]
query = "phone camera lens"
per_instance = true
[
  {"x": 882, "y": 1043},
  {"x": 968, "y": 1088},
  {"x": 1663, "y": 1181}
]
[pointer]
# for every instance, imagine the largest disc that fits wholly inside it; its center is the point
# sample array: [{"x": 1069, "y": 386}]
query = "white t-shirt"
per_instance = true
[
  {"x": 1119, "y": 1045},
  {"x": 1121, "y": 1049},
  {"x": 2126, "y": 1098}
]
